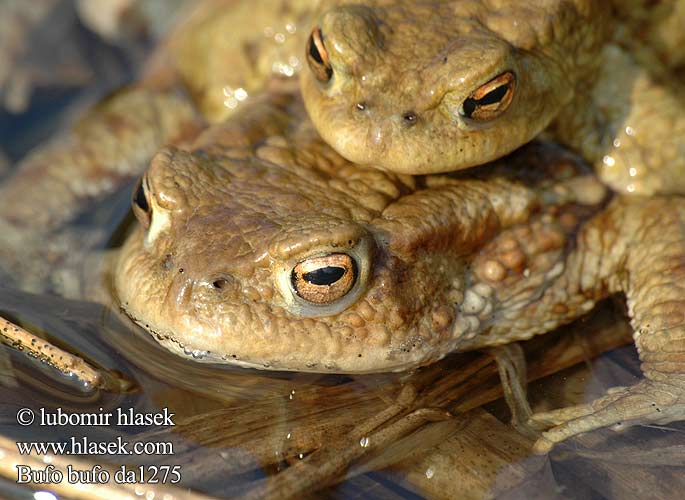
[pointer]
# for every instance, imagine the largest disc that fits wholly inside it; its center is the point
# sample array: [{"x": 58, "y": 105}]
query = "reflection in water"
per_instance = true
[
  {"x": 235, "y": 429},
  {"x": 243, "y": 432}
]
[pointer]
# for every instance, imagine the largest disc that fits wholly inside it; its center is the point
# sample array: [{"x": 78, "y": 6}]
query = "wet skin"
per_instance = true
[
  {"x": 438, "y": 86},
  {"x": 280, "y": 254},
  {"x": 450, "y": 264},
  {"x": 411, "y": 67}
]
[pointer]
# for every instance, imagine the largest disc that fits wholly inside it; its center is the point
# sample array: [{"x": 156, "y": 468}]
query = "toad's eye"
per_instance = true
[
  {"x": 490, "y": 100},
  {"x": 317, "y": 57},
  {"x": 323, "y": 280},
  {"x": 140, "y": 203}
]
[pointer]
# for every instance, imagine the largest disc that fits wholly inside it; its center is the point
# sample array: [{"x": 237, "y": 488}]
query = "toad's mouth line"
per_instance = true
[{"x": 172, "y": 344}]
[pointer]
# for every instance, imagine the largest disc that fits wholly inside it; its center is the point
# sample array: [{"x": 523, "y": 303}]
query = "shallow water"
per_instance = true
[
  {"x": 243, "y": 432},
  {"x": 234, "y": 429}
]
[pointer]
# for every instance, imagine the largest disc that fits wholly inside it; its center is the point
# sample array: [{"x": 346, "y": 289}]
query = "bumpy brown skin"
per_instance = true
[
  {"x": 415, "y": 60},
  {"x": 616, "y": 105},
  {"x": 210, "y": 66},
  {"x": 401, "y": 57},
  {"x": 636, "y": 246},
  {"x": 654, "y": 26},
  {"x": 444, "y": 264},
  {"x": 244, "y": 216},
  {"x": 225, "y": 47}
]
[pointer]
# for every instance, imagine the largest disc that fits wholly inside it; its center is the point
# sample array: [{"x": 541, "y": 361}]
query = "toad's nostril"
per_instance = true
[
  {"x": 221, "y": 283},
  {"x": 410, "y": 118}
]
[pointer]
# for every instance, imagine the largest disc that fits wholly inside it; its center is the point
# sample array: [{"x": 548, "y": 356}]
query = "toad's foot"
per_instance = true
[
  {"x": 648, "y": 402},
  {"x": 635, "y": 246}
]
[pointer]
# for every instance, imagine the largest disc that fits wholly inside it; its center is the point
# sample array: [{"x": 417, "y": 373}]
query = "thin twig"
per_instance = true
[
  {"x": 319, "y": 468},
  {"x": 69, "y": 364}
]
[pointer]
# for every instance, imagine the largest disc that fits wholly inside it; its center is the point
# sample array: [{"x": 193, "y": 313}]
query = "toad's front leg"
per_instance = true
[
  {"x": 637, "y": 246},
  {"x": 648, "y": 402}
]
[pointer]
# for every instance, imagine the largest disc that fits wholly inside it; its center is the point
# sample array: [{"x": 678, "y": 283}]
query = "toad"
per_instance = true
[
  {"x": 280, "y": 254},
  {"x": 439, "y": 86},
  {"x": 413, "y": 88}
]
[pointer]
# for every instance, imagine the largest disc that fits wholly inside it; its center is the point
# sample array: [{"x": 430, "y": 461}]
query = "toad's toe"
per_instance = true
[{"x": 648, "y": 402}]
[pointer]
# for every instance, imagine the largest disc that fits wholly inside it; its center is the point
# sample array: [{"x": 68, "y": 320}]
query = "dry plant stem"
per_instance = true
[
  {"x": 404, "y": 403},
  {"x": 564, "y": 353},
  {"x": 10, "y": 458},
  {"x": 439, "y": 389},
  {"x": 461, "y": 390},
  {"x": 511, "y": 365},
  {"x": 466, "y": 388},
  {"x": 318, "y": 468},
  {"x": 69, "y": 364},
  {"x": 424, "y": 439},
  {"x": 473, "y": 385}
]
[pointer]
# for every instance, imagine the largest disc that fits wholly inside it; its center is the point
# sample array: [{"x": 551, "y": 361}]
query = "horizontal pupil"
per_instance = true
[
  {"x": 324, "y": 276},
  {"x": 494, "y": 96},
  {"x": 469, "y": 106}
]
